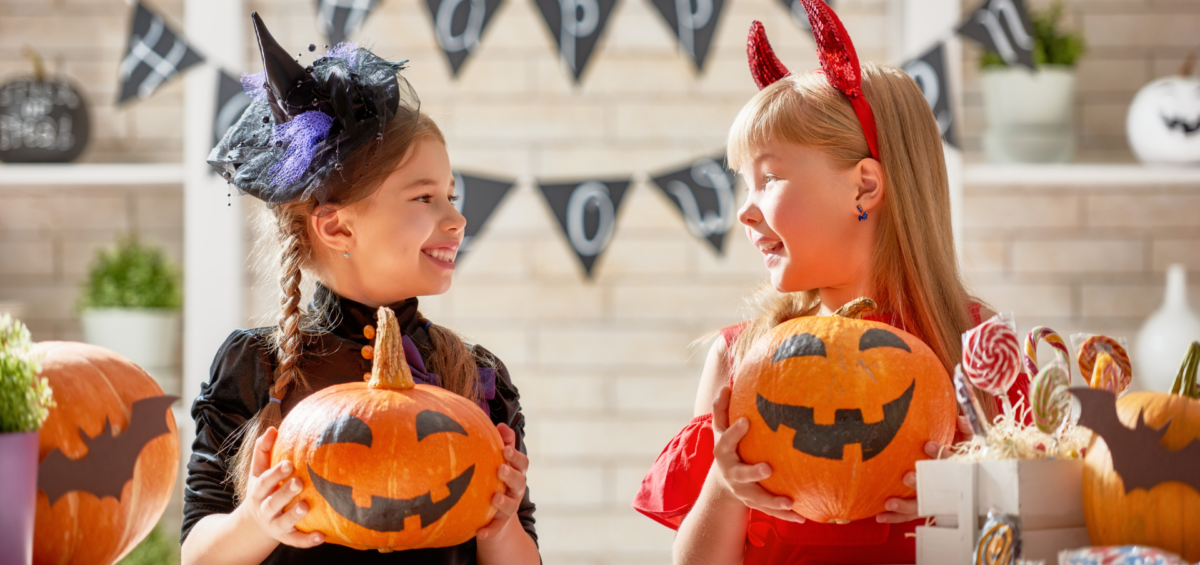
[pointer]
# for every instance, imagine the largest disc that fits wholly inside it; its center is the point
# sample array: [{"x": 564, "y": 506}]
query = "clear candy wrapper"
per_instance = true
[
  {"x": 991, "y": 357},
  {"x": 999, "y": 540},
  {"x": 968, "y": 404},
  {"x": 1119, "y": 555},
  {"x": 1103, "y": 361}
]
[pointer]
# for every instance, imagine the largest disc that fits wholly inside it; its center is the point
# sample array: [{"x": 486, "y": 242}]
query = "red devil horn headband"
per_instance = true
[{"x": 838, "y": 61}]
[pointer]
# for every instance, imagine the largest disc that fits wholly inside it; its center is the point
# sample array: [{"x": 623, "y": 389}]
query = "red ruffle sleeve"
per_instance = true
[{"x": 673, "y": 484}]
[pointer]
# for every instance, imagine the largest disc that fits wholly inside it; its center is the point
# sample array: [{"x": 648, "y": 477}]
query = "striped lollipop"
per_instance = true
[
  {"x": 1043, "y": 333},
  {"x": 1104, "y": 363},
  {"x": 992, "y": 356},
  {"x": 1050, "y": 401}
]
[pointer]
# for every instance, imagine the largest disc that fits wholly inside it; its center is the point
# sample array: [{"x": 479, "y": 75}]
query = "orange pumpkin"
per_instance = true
[
  {"x": 389, "y": 464},
  {"x": 1167, "y": 515},
  {"x": 841, "y": 409},
  {"x": 108, "y": 456}
]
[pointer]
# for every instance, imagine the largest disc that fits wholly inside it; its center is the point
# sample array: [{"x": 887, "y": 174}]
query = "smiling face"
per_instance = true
[
  {"x": 801, "y": 213},
  {"x": 393, "y": 469},
  {"x": 840, "y": 409},
  {"x": 402, "y": 239}
]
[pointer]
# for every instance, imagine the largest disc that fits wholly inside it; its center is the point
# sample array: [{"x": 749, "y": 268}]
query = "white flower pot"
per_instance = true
[
  {"x": 1029, "y": 114},
  {"x": 147, "y": 336}
]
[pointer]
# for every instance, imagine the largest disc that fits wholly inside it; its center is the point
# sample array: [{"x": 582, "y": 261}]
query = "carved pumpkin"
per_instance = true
[
  {"x": 1163, "y": 123},
  {"x": 108, "y": 454},
  {"x": 389, "y": 464},
  {"x": 841, "y": 409},
  {"x": 1156, "y": 444}
]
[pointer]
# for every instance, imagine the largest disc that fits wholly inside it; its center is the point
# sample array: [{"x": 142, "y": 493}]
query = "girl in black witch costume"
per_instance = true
[{"x": 361, "y": 192}]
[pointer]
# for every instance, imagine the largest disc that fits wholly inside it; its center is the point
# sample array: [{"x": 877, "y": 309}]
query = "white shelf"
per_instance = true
[
  {"x": 1082, "y": 175},
  {"x": 98, "y": 174}
]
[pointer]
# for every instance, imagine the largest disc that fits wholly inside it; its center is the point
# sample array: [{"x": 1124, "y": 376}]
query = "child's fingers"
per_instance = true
[
  {"x": 302, "y": 540},
  {"x": 505, "y": 505},
  {"x": 933, "y": 449},
  {"x": 720, "y": 411},
  {"x": 514, "y": 480},
  {"x": 725, "y": 449},
  {"x": 507, "y": 435},
  {"x": 286, "y": 521},
  {"x": 518, "y": 460},
  {"x": 273, "y": 505},
  {"x": 748, "y": 473},
  {"x": 910, "y": 479},
  {"x": 492, "y": 528},
  {"x": 265, "y": 483},
  {"x": 261, "y": 460},
  {"x": 787, "y": 515},
  {"x": 899, "y": 510}
]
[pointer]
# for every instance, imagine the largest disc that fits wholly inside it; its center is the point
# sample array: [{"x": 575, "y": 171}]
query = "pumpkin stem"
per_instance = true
[
  {"x": 856, "y": 308},
  {"x": 1186, "y": 69},
  {"x": 1185, "y": 382},
  {"x": 389, "y": 370},
  {"x": 39, "y": 71}
]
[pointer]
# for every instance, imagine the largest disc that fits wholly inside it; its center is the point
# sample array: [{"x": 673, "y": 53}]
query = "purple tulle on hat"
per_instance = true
[
  {"x": 301, "y": 136},
  {"x": 253, "y": 83},
  {"x": 345, "y": 51}
]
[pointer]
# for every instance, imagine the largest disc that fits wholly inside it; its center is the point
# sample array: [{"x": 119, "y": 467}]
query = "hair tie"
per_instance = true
[
  {"x": 427, "y": 324},
  {"x": 276, "y": 400}
]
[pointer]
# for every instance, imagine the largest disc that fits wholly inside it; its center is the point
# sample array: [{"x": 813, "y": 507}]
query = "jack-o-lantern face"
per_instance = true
[
  {"x": 1163, "y": 122},
  {"x": 390, "y": 465},
  {"x": 840, "y": 409},
  {"x": 389, "y": 514}
]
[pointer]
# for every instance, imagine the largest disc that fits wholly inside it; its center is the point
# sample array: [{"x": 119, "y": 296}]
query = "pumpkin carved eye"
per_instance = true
[
  {"x": 876, "y": 337},
  {"x": 346, "y": 429},
  {"x": 432, "y": 422},
  {"x": 800, "y": 345}
]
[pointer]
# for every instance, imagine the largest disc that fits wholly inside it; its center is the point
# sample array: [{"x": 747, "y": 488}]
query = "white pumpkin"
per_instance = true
[{"x": 1163, "y": 123}]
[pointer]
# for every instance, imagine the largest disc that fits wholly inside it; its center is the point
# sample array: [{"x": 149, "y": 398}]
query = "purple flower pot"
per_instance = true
[{"x": 18, "y": 496}]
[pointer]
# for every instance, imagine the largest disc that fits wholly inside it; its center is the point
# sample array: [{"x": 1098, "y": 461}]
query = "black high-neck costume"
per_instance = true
[{"x": 239, "y": 387}]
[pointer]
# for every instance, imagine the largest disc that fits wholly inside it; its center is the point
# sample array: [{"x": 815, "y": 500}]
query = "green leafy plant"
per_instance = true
[
  {"x": 1051, "y": 45},
  {"x": 133, "y": 275},
  {"x": 157, "y": 549},
  {"x": 25, "y": 398}
]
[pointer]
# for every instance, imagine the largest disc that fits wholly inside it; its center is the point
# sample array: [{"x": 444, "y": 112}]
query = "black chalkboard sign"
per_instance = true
[{"x": 42, "y": 121}]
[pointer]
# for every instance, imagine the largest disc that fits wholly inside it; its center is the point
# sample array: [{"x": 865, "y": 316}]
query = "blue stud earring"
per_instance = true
[{"x": 862, "y": 215}]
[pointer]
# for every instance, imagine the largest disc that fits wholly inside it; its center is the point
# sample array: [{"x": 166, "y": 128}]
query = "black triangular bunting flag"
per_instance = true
[
  {"x": 799, "y": 14},
  {"x": 587, "y": 213},
  {"x": 704, "y": 193},
  {"x": 232, "y": 100},
  {"x": 458, "y": 25},
  {"x": 340, "y": 19},
  {"x": 1002, "y": 26},
  {"x": 576, "y": 26},
  {"x": 929, "y": 71},
  {"x": 693, "y": 27},
  {"x": 154, "y": 54},
  {"x": 478, "y": 197}
]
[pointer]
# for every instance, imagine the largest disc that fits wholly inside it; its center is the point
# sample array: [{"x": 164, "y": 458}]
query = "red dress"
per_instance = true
[{"x": 673, "y": 484}]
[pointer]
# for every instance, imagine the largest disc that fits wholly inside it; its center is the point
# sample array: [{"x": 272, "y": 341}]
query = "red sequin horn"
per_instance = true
[{"x": 838, "y": 61}]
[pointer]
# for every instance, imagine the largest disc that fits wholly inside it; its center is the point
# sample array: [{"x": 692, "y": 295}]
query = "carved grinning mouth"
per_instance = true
[
  {"x": 828, "y": 441},
  {"x": 388, "y": 514}
]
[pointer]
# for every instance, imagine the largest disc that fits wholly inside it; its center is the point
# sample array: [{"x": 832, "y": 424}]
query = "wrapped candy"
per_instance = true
[
  {"x": 992, "y": 356},
  {"x": 999, "y": 540},
  {"x": 1103, "y": 362},
  {"x": 1043, "y": 333},
  {"x": 968, "y": 403},
  {"x": 1119, "y": 555},
  {"x": 1050, "y": 400}
]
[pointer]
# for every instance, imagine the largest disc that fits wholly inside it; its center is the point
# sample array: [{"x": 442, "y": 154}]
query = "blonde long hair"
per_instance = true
[
  {"x": 449, "y": 356},
  {"x": 915, "y": 269}
]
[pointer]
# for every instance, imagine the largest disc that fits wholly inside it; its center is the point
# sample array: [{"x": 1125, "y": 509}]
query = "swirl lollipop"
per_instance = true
[
  {"x": 999, "y": 541},
  {"x": 1105, "y": 364},
  {"x": 1050, "y": 336},
  {"x": 992, "y": 357},
  {"x": 1051, "y": 402}
]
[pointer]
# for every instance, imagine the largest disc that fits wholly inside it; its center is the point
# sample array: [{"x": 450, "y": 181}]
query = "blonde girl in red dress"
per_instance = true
[{"x": 845, "y": 200}]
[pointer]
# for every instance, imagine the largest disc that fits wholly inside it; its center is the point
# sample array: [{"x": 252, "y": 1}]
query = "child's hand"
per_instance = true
[
  {"x": 905, "y": 509},
  {"x": 512, "y": 474},
  {"x": 267, "y": 502},
  {"x": 742, "y": 479}
]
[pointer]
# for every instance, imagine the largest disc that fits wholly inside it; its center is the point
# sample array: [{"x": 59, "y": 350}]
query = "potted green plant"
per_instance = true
[
  {"x": 1029, "y": 113},
  {"x": 25, "y": 402},
  {"x": 130, "y": 304}
]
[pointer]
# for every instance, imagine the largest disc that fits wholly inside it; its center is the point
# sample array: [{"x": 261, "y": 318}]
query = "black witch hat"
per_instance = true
[{"x": 291, "y": 140}]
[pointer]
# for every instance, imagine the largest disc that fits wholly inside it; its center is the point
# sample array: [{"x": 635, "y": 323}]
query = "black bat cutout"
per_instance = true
[
  {"x": 110, "y": 458},
  {"x": 828, "y": 441},
  {"x": 1138, "y": 455},
  {"x": 388, "y": 514},
  {"x": 1185, "y": 127}
]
